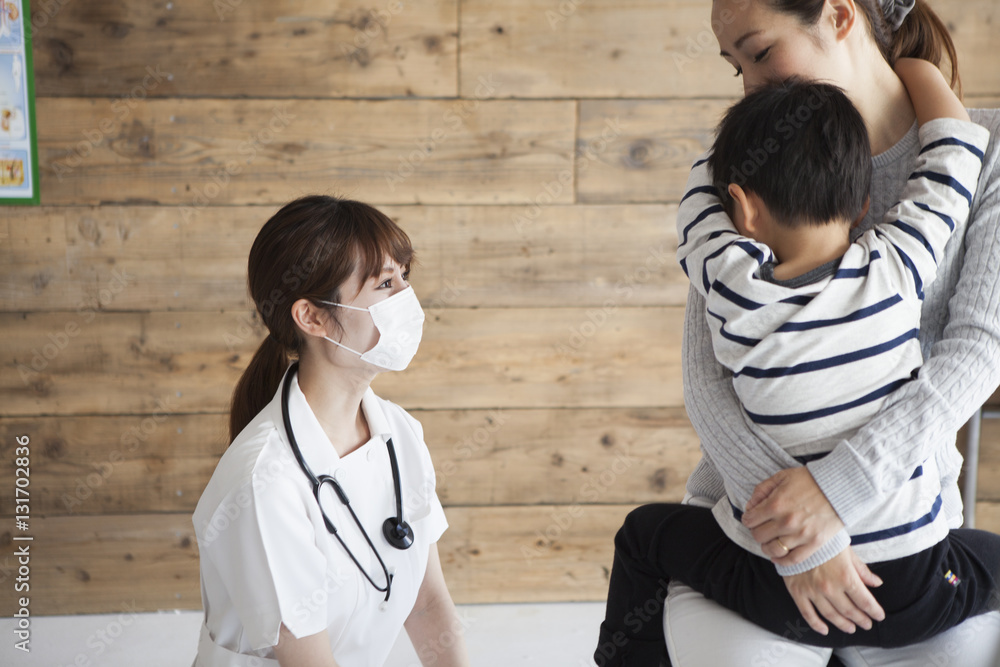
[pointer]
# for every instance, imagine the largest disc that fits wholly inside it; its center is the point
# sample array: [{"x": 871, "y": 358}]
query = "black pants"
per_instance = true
[{"x": 661, "y": 542}]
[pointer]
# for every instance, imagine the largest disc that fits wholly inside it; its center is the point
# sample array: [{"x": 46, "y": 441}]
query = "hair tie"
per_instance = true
[{"x": 895, "y": 11}]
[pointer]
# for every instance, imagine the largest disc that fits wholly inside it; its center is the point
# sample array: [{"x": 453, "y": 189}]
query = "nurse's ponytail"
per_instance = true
[
  {"x": 306, "y": 250},
  {"x": 898, "y": 30},
  {"x": 251, "y": 395}
]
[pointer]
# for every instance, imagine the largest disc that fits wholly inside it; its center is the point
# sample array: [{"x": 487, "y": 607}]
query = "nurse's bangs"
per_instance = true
[{"x": 377, "y": 237}]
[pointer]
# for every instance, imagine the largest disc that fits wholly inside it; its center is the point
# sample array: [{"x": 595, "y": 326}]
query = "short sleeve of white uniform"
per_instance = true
[
  {"x": 420, "y": 498},
  {"x": 268, "y": 560}
]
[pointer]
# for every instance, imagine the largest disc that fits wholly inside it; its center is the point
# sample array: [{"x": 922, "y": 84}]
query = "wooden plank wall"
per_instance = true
[{"x": 534, "y": 150}]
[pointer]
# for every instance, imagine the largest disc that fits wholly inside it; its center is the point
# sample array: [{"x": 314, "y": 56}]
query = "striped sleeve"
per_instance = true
[
  {"x": 962, "y": 371},
  {"x": 707, "y": 240},
  {"x": 936, "y": 197}
]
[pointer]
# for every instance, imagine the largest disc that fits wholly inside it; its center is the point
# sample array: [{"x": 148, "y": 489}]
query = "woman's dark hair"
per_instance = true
[
  {"x": 802, "y": 147},
  {"x": 307, "y": 250},
  {"x": 922, "y": 34}
]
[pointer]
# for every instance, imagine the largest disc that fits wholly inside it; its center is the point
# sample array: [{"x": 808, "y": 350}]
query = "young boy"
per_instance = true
[{"x": 818, "y": 330}]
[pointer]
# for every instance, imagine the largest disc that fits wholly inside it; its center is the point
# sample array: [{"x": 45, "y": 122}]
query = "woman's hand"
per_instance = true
[
  {"x": 837, "y": 589},
  {"x": 790, "y": 517}
]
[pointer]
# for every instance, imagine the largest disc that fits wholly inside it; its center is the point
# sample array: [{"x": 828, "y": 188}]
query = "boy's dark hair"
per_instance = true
[{"x": 801, "y": 147}]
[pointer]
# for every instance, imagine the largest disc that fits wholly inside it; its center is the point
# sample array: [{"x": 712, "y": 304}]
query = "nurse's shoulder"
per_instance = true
[{"x": 259, "y": 458}]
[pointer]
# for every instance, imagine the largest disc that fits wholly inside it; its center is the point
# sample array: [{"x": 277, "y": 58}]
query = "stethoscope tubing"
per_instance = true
[{"x": 323, "y": 479}]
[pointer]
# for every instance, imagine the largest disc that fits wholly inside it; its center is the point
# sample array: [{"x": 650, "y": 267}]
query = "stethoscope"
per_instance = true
[{"x": 396, "y": 531}]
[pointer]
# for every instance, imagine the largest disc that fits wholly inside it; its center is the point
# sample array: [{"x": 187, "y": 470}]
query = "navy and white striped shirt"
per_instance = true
[{"x": 814, "y": 358}]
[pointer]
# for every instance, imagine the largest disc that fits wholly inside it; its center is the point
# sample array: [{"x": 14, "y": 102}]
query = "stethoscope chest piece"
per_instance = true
[{"x": 398, "y": 533}]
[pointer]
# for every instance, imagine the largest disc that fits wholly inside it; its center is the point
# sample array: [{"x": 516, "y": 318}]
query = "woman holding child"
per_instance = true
[{"x": 803, "y": 517}]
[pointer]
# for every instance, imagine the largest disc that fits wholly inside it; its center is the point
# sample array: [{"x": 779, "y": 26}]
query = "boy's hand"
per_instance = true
[
  {"x": 838, "y": 591},
  {"x": 931, "y": 95}
]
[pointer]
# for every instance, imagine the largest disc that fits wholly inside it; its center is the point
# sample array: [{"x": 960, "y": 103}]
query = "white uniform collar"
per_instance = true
[{"x": 313, "y": 442}]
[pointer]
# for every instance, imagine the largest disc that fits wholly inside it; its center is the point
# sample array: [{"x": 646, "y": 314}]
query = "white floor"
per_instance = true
[{"x": 532, "y": 635}]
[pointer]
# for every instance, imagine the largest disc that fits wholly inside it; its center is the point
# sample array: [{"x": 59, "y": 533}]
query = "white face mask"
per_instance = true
[{"x": 400, "y": 323}]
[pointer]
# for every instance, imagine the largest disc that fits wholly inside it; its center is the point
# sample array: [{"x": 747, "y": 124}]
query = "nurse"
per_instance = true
[{"x": 317, "y": 532}]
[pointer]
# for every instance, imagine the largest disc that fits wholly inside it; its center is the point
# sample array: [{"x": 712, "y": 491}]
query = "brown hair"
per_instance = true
[
  {"x": 307, "y": 250},
  {"x": 922, "y": 34}
]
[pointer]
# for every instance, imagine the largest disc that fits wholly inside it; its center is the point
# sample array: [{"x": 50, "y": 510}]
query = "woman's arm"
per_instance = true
[
  {"x": 311, "y": 651},
  {"x": 434, "y": 626}
]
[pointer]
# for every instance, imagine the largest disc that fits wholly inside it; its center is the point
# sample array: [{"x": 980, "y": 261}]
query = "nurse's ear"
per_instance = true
[{"x": 311, "y": 319}]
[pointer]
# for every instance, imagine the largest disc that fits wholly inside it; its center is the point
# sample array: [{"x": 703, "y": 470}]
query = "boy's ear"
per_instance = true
[
  {"x": 864, "y": 212},
  {"x": 746, "y": 220}
]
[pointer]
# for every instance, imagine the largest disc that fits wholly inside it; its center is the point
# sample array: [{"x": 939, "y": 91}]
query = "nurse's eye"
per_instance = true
[
  {"x": 739, "y": 72},
  {"x": 387, "y": 284}
]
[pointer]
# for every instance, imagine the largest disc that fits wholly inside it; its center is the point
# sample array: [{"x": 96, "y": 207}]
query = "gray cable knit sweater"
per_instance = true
[{"x": 960, "y": 340}]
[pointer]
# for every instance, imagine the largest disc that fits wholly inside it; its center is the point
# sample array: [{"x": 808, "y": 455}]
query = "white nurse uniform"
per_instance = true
[{"x": 267, "y": 557}]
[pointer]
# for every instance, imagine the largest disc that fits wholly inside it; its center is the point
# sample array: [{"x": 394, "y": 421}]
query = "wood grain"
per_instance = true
[
  {"x": 197, "y": 153},
  {"x": 309, "y": 49},
  {"x": 232, "y": 48},
  {"x": 649, "y": 48},
  {"x": 988, "y": 516},
  {"x": 161, "y": 462},
  {"x": 544, "y": 553},
  {"x": 531, "y": 554},
  {"x": 971, "y": 24},
  {"x": 982, "y": 101},
  {"x": 597, "y": 48},
  {"x": 650, "y": 158},
  {"x": 95, "y": 564},
  {"x": 59, "y": 257},
  {"x": 988, "y": 483},
  {"x": 103, "y": 563},
  {"x": 649, "y": 161},
  {"x": 561, "y": 456},
  {"x": 126, "y": 363}
]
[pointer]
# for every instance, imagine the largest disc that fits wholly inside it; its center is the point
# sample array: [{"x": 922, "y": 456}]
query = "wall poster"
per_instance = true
[{"x": 18, "y": 139}]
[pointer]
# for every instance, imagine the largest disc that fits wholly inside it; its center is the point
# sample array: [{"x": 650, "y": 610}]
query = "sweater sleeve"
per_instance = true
[
  {"x": 704, "y": 487},
  {"x": 961, "y": 372},
  {"x": 937, "y": 197}
]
